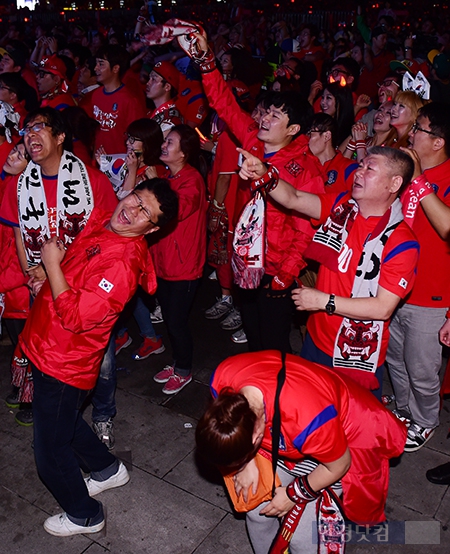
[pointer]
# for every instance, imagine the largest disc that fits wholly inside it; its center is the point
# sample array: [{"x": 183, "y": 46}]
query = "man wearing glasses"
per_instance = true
[
  {"x": 65, "y": 338},
  {"x": 53, "y": 197},
  {"x": 414, "y": 353}
]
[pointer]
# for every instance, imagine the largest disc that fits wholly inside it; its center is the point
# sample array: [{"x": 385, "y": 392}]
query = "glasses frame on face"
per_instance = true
[
  {"x": 336, "y": 72},
  {"x": 416, "y": 127},
  {"x": 314, "y": 131},
  {"x": 41, "y": 74},
  {"x": 2, "y": 86},
  {"x": 388, "y": 83},
  {"x": 129, "y": 138},
  {"x": 143, "y": 209},
  {"x": 36, "y": 128}
]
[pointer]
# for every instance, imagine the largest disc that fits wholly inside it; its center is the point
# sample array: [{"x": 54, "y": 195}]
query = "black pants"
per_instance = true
[
  {"x": 266, "y": 316},
  {"x": 176, "y": 298}
]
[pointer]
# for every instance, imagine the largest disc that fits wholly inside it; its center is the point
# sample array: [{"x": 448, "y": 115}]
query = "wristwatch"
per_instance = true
[{"x": 330, "y": 308}]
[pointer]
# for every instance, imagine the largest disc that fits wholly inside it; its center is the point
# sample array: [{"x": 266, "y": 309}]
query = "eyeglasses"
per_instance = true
[
  {"x": 336, "y": 72},
  {"x": 388, "y": 83},
  {"x": 143, "y": 209},
  {"x": 129, "y": 138},
  {"x": 313, "y": 131},
  {"x": 416, "y": 127},
  {"x": 36, "y": 128},
  {"x": 2, "y": 86},
  {"x": 41, "y": 74}
]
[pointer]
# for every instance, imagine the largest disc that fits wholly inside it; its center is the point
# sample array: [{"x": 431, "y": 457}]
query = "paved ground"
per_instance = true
[{"x": 172, "y": 505}]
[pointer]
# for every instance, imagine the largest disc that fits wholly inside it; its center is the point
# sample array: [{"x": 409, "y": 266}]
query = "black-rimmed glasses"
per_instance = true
[
  {"x": 143, "y": 209},
  {"x": 416, "y": 127}
]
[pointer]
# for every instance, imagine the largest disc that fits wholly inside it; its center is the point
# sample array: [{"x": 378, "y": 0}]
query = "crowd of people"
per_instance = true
[{"x": 310, "y": 170}]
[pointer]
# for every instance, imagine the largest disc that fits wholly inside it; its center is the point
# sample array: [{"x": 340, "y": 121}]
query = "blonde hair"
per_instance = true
[{"x": 414, "y": 103}]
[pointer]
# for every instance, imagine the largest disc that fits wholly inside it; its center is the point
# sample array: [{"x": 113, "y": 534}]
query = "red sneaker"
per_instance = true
[
  {"x": 164, "y": 375},
  {"x": 176, "y": 383},
  {"x": 122, "y": 342},
  {"x": 150, "y": 345}
]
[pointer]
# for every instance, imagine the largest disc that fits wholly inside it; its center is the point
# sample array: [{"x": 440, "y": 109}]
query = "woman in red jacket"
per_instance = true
[{"x": 179, "y": 255}]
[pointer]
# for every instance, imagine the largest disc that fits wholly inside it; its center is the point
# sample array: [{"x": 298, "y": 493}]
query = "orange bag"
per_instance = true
[{"x": 264, "y": 491}]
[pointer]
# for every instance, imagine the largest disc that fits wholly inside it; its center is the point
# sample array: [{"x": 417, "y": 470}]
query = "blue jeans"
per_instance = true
[
  {"x": 64, "y": 443},
  {"x": 104, "y": 398},
  {"x": 141, "y": 314},
  {"x": 176, "y": 298}
]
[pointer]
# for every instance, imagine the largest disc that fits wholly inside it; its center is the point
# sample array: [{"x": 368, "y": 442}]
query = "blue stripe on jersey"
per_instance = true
[
  {"x": 447, "y": 192},
  {"x": 403, "y": 247},
  {"x": 325, "y": 415},
  {"x": 338, "y": 199},
  {"x": 350, "y": 169},
  {"x": 196, "y": 97}
]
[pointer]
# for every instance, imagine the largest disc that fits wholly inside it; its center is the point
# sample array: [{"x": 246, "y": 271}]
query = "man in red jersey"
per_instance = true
[
  {"x": 415, "y": 354},
  {"x": 113, "y": 105},
  {"x": 65, "y": 337},
  {"x": 368, "y": 257},
  {"x": 52, "y": 84}
]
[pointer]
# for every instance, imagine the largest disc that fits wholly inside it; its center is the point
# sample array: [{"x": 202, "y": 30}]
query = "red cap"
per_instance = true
[
  {"x": 54, "y": 65},
  {"x": 169, "y": 73}
]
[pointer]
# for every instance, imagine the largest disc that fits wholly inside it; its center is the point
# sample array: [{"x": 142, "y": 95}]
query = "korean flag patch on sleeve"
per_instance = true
[{"x": 105, "y": 285}]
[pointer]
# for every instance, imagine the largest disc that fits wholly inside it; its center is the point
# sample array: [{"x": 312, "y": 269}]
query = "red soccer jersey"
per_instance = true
[
  {"x": 114, "y": 111},
  {"x": 397, "y": 273},
  {"x": 322, "y": 415},
  {"x": 339, "y": 173},
  {"x": 431, "y": 289}
]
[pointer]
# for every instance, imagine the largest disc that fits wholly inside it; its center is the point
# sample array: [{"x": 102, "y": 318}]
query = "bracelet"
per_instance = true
[
  {"x": 268, "y": 181},
  {"x": 299, "y": 490},
  {"x": 351, "y": 145},
  {"x": 140, "y": 19},
  {"x": 217, "y": 205},
  {"x": 360, "y": 144}
]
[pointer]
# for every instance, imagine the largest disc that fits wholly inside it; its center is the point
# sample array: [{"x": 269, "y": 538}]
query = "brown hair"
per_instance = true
[{"x": 224, "y": 434}]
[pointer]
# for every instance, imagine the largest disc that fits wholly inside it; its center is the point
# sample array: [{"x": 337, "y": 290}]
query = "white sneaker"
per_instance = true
[
  {"x": 61, "y": 526},
  {"x": 239, "y": 337},
  {"x": 156, "y": 316},
  {"x": 120, "y": 478}
]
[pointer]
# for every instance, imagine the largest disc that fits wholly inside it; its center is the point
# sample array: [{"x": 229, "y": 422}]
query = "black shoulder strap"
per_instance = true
[{"x": 276, "y": 422}]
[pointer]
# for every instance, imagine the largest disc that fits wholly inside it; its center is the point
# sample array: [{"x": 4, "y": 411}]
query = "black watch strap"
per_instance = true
[{"x": 330, "y": 308}]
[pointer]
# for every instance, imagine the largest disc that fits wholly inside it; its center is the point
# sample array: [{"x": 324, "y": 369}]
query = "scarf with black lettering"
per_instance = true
[{"x": 74, "y": 204}]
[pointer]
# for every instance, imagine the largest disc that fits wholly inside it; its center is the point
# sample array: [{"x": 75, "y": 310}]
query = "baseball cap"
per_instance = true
[
  {"x": 405, "y": 65},
  {"x": 169, "y": 73},
  {"x": 53, "y": 65},
  {"x": 440, "y": 63}
]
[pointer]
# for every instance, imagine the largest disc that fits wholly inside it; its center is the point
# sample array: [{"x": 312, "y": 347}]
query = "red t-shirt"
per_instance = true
[
  {"x": 397, "y": 273},
  {"x": 431, "y": 288},
  {"x": 114, "y": 111}
]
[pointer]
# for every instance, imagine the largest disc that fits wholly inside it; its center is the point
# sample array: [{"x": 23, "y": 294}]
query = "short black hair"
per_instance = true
[
  {"x": 323, "y": 122},
  {"x": 351, "y": 66},
  {"x": 55, "y": 121},
  {"x": 17, "y": 84},
  {"x": 298, "y": 110},
  {"x": 166, "y": 197},
  {"x": 115, "y": 55},
  {"x": 439, "y": 115}
]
